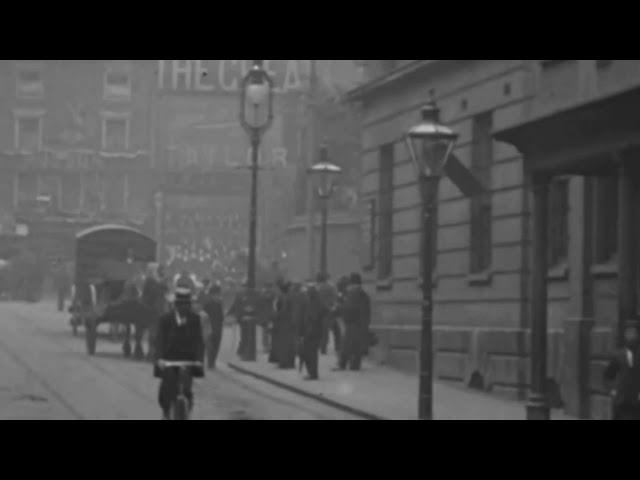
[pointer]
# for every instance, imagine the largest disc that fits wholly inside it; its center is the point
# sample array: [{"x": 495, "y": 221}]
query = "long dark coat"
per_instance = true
[
  {"x": 356, "y": 314},
  {"x": 286, "y": 332},
  {"x": 180, "y": 343}
]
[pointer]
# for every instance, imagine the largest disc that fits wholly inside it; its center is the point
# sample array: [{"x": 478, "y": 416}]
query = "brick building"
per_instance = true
[
  {"x": 568, "y": 126},
  {"x": 76, "y": 135}
]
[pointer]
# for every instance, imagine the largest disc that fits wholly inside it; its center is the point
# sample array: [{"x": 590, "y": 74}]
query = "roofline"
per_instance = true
[
  {"x": 114, "y": 226},
  {"x": 374, "y": 86}
]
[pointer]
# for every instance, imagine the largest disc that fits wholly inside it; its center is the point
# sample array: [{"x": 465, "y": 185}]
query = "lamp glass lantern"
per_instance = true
[
  {"x": 257, "y": 98},
  {"x": 430, "y": 143},
  {"x": 324, "y": 175}
]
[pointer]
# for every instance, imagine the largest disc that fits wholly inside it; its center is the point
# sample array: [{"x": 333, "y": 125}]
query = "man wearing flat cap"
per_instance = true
[{"x": 623, "y": 372}]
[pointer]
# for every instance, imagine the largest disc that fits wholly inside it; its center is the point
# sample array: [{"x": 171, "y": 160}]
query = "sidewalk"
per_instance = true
[{"x": 381, "y": 393}]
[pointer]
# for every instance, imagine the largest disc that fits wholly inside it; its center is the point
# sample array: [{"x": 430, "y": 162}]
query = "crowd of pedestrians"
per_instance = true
[{"x": 298, "y": 321}]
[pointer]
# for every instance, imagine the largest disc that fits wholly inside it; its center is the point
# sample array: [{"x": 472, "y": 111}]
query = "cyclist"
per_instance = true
[{"x": 178, "y": 338}]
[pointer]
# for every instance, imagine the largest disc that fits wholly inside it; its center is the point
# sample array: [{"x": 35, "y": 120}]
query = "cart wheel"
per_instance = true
[{"x": 90, "y": 335}]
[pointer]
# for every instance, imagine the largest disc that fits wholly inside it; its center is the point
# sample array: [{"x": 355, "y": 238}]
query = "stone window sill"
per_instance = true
[
  {"x": 559, "y": 272},
  {"x": 480, "y": 278},
  {"x": 384, "y": 285},
  {"x": 608, "y": 269}
]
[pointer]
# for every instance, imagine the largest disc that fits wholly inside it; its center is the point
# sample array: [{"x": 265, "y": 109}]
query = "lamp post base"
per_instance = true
[{"x": 538, "y": 409}]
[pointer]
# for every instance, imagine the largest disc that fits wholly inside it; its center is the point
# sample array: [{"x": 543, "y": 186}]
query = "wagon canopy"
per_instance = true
[{"x": 104, "y": 252}]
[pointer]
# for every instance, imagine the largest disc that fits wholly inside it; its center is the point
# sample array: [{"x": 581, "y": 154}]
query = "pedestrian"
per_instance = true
[
  {"x": 285, "y": 342},
  {"x": 211, "y": 301},
  {"x": 276, "y": 311},
  {"x": 154, "y": 298},
  {"x": 237, "y": 311},
  {"x": 311, "y": 332},
  {"x": 356, "y": 314},
  {"x": 328, "y": 296},
  {"x": 623, "y": 371},
  {"x": 265, "y": 315},
  {"x": 163, "y": 281},
  {"x": 61, "y": 282}
]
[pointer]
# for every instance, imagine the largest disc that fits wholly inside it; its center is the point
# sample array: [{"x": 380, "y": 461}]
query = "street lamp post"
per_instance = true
[
  {"x": 256, "y": 117},
  {"x": 159, "y": 226},
  {"x": 324, "y": 174},
  {"x": 430, "y": 144}
]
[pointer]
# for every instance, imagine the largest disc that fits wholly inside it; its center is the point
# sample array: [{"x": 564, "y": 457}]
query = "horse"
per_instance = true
[{"x": 130, "y": 312}]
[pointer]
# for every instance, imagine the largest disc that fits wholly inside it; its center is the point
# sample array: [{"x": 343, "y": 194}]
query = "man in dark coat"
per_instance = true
[
  {"x": 277, "y": 314},
  {"x": 154, "y": 298},
  {"x": 356, "y": 314},
  {"x": 290, "y": 318},
  {"x": 211, "y": 301},
  {"x": 179, "y": 338},
  {"x": 62, "y": 282},
  {"x": 311, "y": 332},
  {"x": 328, "y": 296},
  {"x": 236, "y": 311},
  {"x": 623, "y": 371}
]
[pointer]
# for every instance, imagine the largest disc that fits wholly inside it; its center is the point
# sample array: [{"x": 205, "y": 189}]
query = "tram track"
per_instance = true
[
  {"x": 246, "y": 406},
  {"x": 42, "y": 381}
]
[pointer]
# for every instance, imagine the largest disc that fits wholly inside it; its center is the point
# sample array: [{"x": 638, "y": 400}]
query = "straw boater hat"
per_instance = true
[
  {"x": 182, "y": 296},
  {"x": 183, "y": 292}
]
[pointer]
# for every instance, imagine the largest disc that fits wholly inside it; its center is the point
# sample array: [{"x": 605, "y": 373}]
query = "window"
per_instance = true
[
  {"x": 29, "y": 82},
  {"x": 385, "y": 224},
  {"x": 368, "y": 235},
  {"x": 115, "y": 133},
  {"x": 27, "y": 189},
  {"x": 605, "y": 208},
  {"x": 49, "y": 188},
  {"x": 481, "y": 211},
  {"x": 28, "y": 132},
  {"x": 117, "y": 85},
  {"x": 558, "y": 222}
]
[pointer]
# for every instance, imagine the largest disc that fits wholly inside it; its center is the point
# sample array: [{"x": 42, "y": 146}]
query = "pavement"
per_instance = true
[
  {"x": 382, "y": 393},
  {"x": 46, "y": 374}
]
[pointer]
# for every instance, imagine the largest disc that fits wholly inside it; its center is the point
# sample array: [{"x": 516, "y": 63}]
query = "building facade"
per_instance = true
[
  {"x": 327, "y": 121},
  {"x": 205, "y": 155},
  {"x": 485, "y": 270},
  {"x": 76, "y": 136}
]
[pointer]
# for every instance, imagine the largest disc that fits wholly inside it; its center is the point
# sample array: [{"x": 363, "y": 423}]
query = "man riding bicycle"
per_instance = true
[{"x": 178, "y": 339}]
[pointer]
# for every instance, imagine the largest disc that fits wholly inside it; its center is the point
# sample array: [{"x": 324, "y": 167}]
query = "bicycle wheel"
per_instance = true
[{"x": 181, "y": 408}]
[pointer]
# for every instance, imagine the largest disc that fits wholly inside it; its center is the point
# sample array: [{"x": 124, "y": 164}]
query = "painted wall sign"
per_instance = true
[
  {"x": 225, "y": 76},
  {"x": 71, "y": 161},
  {"x": 206, "y": 136}
]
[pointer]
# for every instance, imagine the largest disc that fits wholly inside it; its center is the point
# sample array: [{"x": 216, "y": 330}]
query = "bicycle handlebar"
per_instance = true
[{"x": 176, "y": 364}]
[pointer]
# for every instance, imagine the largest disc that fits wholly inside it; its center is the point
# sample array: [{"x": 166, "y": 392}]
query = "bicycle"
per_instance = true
[{"x": 180, "y": 405}]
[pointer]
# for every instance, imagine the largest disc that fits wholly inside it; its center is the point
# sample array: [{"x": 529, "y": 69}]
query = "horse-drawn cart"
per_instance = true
[{"x": 108, "y": 258}]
